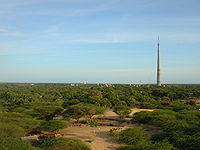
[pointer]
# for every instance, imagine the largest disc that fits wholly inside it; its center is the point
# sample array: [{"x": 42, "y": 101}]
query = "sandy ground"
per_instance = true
[
  {"x": 97, "y": 137},
  {"x": 135, "y": 110}
]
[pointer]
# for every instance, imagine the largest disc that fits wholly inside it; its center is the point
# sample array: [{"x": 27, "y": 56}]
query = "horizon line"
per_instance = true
[{"x": 92, "y": 83}]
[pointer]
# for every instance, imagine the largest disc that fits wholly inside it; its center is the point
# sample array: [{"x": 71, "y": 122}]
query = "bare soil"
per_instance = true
[{"x": 97, "y": 137}]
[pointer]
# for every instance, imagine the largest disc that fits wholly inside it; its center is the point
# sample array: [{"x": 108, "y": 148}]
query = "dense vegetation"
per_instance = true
[
  {"x": 62, "y": 144},
  {"x": 180, "y": 126},
  {"x": 30, "y": 108},
  {"x": 137, "y": 139}
]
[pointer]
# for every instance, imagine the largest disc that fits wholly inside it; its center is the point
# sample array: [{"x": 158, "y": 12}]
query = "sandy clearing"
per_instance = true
[
  {"x": 113, "y": 115},
  {"x": 97, "y": 137}
]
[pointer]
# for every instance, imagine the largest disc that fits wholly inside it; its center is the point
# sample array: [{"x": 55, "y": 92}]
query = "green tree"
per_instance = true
[
  {"x": 52, "y": 125},
  {"x": 83, "y": 110},
  {"x": 122, "y": 110}
]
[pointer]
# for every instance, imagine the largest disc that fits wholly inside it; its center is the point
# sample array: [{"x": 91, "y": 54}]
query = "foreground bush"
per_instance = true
[
  {"x": 163, "y": 145},
  {"x": 19, "y": 119},
  {"x": 180, "y": 127},
  {"x": 133, "y": 136},
  {"x": 62, "y": 144},
  {"x": 9, "y": 130},
  {"x": 15, "y": 144},
  {"x": 52, "y": 125}
]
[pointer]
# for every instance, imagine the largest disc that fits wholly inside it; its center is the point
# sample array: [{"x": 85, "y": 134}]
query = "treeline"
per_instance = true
[{"x": 16, "y": 95}]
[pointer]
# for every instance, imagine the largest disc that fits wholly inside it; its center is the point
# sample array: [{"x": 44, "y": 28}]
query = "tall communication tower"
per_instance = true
[{"x": 158, "y": 65}]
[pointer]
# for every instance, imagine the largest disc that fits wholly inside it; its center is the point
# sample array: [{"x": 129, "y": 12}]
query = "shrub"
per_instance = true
[
  {"x": 91, "y": 122},
  {"x": 133, "y": 136},
  {"x": 186, "y": 142},
  {"x": 179, "y": 106},
  {"x": 142, "y": 117},
  {"x": 62, "y": 144},
  {"x": 15, "y": 144},
  {"x": 159, "y": 137},
  {"x": 157, "y": 117},
  {"x": 46, "y": 112},
  {"x": 68, "y": 103},
  {"x": 172, "y": 125},
  {"x": 9, "y": 130},
  {"x": 163, "y": 145},
  {"x": 83, "y": 110},
  {"x": 18, "y": 119},
  {"x": 52, "y": 125},
  {"x": 181, "y": 128},
  {"x": 122, "y": 110},
  {"x": 114, "y": 131}
]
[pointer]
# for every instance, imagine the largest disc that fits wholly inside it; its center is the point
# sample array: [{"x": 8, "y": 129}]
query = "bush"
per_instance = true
[
  {"x": 83, "y": 110},
  {"x": 9, "y": 130},
  {"x": 68, "y": 103},
  {"x": 142, "y": 117},
  {"x": 179, "y": 106},
  {"x": 114, "y": 131},
  {"x": 186, "y": 142},
  {"x": 163, "y": 145},
  {"x": 52, "y": 125},
  {"x": 62, "y": 144},
  {"x": 15, "y": 144},
  {"x": 18, "y": 119},
  {"x": 91, "y": 122},
  {"x": 173, "y": 125},
  {"x": 122, "y": 110},
  {"x": 46, "y": 112},
  {"x": 181, "y": 128},
  {"x": 133, "y": 136},
  {"x": 157, "y": 117}
]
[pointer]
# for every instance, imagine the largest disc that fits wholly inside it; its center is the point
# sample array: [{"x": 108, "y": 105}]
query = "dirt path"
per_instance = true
[
  {"x": 135, "y": 110},
  {"x": 97, "y": 137}
]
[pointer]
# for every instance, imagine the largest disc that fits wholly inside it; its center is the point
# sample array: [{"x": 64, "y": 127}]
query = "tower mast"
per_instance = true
[{"x": 158, "y": 64}]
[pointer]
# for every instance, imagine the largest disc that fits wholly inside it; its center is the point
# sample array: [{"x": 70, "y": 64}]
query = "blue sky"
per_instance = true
[{"x": 99, "y": 41}]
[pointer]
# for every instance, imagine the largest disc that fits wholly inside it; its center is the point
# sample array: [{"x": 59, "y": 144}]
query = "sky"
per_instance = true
[{"x": 99, "y": 41}]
